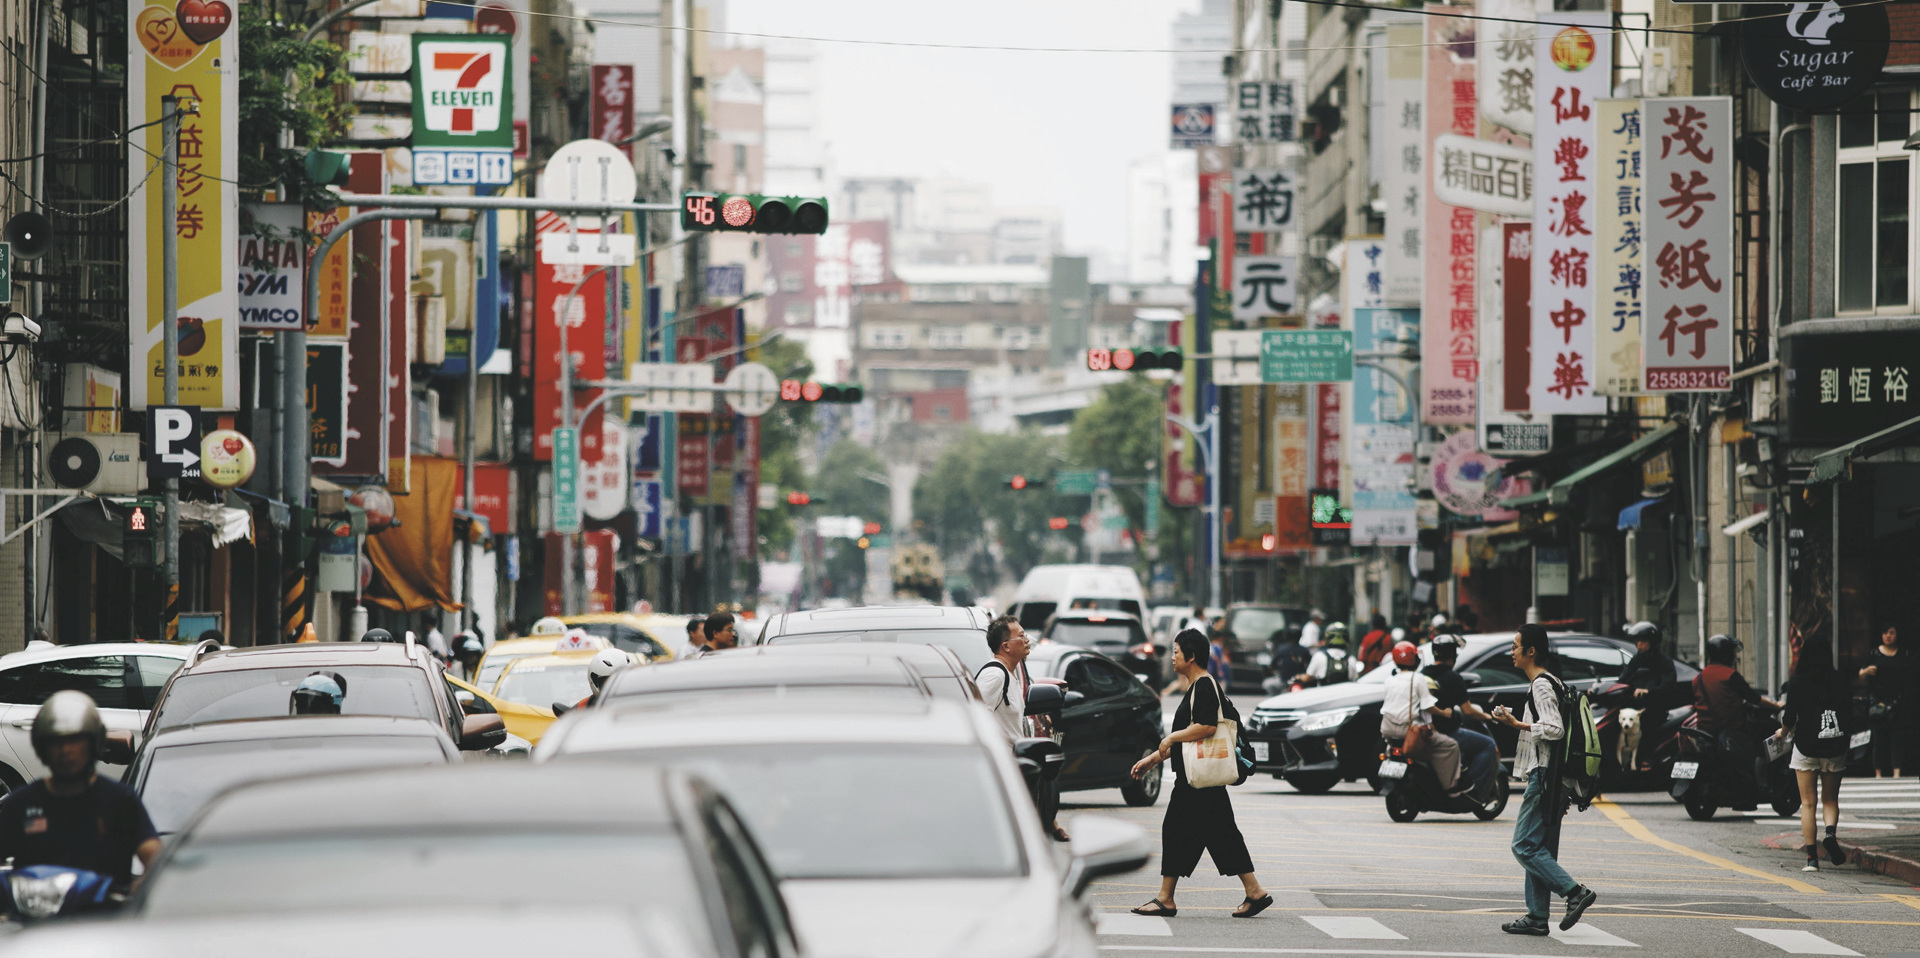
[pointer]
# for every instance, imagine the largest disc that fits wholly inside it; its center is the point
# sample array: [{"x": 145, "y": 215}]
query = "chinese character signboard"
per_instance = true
[
  {"x": 1617, "y": 240},
  {"x": 1364, "y": 285},
  {"x": 1686, "y": 333},
  {"x": 1290, "y": 468},
  {"x": 1263, "y": 286},
  {"x": 187, "y": 52},
  {"x": 462, "y": 109},
  {"x": 1507, "y": 64},
  {"x": 336, "y": 273},
  {"x": 1263, "y": 201},
  {"x": 1481, "y": 175},
  {"x": 1516, "y": 316},
  {"x": 1501, "y": 429},
  {"x": 1401, "y": 185},
  {"x": 1842, "y": 386},
  {"x": 1449, "y": 326},
  {"x": 612, "y": 117},
  {"x": 1264, "y": 112},
  {"x": 585, "y": 314},
  {"x": 1306, "y": 356},
  {"x": 1179, "y": 453},
  {"x": 1380, "y": 438},
  {"x": 1192, "y": 125},
  {"x": 1572, "y": 72},
  {"x": 327, "y": 380}
]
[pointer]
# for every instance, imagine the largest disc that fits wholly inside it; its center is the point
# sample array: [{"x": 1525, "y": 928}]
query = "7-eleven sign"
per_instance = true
[{"x": 462, "y": 91}]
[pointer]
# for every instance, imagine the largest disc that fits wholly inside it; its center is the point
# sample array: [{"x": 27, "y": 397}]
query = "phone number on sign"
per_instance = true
[{"x": 1709, "y": 378}]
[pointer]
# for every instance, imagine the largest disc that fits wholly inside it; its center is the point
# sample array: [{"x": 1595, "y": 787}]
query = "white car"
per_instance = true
[
  {"x": 899, "y": 826},
  {"x": 123, "y": 678}
]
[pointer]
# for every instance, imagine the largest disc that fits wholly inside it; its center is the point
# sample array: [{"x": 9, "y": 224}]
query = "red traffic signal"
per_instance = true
[
  {"x": 1017, "y": 482},
  {"x": 1058, "y": 523},
  {"x": 1124, "y": 359},
  {"x": 798, "y": 498},
  {"x": 794, "y": 390},
  {"x": 871, "y": 528},
  {"x": 752, "y": 213}
]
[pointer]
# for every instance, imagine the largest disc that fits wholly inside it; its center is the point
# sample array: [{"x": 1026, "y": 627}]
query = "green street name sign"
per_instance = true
[
  {"x": 1079, "y": 482},
  {"x": 566, "y": 480},
  {"x": 1306, "y": 356}
]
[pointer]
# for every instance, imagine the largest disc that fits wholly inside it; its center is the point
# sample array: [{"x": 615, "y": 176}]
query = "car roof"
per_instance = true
[
  {"x": 1093, "y": 615},
  {"x": 309, "y": 655},
  {"x": 768, "y": 720},
  {"x": 54, "y": 653},
  {"x": 918, "y": 654},
  {"x": 893, "y": 617},
  {"x": 515, "y": 797},
  {"x": 384, "y": 933},
  {"x": 594, "y": 618},
  {"x": 536, "y": 644},
  {"x": 296, "y": 726},
  {"x": 854, "y": 666},
  {"x": 541, "y": 660}
]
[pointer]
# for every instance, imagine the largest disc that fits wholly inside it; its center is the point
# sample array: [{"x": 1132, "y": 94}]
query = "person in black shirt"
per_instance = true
[
  {"x": 1889, "y": 673},
  {"x": 1649, "y": 673},
  {"x": 1198, "y": 819},
  {"x": 1817, "y": 708},
  {"x": 74, "y": 818},
  {"x": 1477, "y": 749}
]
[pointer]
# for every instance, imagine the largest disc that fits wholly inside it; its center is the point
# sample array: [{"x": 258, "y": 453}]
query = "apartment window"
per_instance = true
[
  {"x": 947, "y": 339},
  {"x": 1017, "y": 338},
  {"x": 1875, "y": 205},
  {"x": 886, "y": 337}
]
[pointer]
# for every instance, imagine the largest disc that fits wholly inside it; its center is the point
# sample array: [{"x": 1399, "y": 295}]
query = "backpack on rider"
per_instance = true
[{"x": 1579, "y": 757}]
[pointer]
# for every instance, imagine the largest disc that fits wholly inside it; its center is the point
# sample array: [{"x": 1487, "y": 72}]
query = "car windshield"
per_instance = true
[
  {"x": 969, "y": 644},
  {"x": 543, "y": 685},
  {"x": 402, "y": 690},
  {"x": 1086, "y": 634},
  {"x": 865, "y": 811},
  {"x": 1256, "y": 625},
  {"x": 496, "y": 663},
  {"x": 421, "y": 869},
  {"x": 179, "y": 779}
]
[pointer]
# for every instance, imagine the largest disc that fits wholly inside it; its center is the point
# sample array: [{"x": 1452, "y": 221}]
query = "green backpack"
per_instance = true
[{"x": 1580, "y": 749}]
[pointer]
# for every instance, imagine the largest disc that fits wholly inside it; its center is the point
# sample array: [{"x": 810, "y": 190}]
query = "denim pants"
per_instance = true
[
  {"x": 1479, "y": 753},
  {"x": 1535, "y": 837}
]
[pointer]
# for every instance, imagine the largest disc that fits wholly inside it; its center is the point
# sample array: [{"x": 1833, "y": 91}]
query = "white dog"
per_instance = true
[{"x": 1629, "y": 751}]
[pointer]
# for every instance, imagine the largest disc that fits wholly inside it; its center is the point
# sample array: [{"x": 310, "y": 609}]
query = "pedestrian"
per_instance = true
[
  {"x": 1817, "y": 708},
  {"x": 696, "y": 638},
  {"x": 1219, "y": 660},
  {"x": 1889, "y": 676},
  {"x": 1003, "y": 684},
  {"x": 720, "y": 632},
  {"x": 1536, "y": 832},
  {"x": 1310, "y": 633},
  {"x": 1198, "y": 819},
  {"x": 1374, "y": 645}
]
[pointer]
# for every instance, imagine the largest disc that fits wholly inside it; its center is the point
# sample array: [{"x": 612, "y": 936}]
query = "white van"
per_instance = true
[{"x": 1055, "y": 588}]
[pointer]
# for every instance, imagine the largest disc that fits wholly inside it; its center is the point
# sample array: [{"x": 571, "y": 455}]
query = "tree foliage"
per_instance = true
[
  {"x": 315, "y": 108},
  {"x": 1121, "y": 433},
  {"x": 844, "y": 485},
  {"x": 781, "y": 430},
  {"x": 966, "y": 509}
]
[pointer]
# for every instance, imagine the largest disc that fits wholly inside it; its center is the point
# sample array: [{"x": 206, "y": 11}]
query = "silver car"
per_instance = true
[{"x": 898, "y": 826}]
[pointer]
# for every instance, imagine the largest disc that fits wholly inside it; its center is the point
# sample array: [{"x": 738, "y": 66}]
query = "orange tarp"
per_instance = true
[{"x": 413, "y": 562}]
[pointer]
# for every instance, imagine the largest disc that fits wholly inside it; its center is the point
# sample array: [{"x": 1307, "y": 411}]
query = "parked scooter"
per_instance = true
[
  {"x": 40, "y": 892},
  {"x": 1705, "y": 778},
  {"x": 1412, "y": 787}
]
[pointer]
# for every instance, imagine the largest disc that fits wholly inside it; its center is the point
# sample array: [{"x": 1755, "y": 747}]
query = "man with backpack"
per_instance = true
[
  {"x": 1536, "y": 832},
  {"x": 1331, "y": 662},
  {"x": 1003, "y": 685}
]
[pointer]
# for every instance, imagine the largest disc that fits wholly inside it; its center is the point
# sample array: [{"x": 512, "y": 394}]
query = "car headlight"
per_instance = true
[{"x": 1327, "y": 720}]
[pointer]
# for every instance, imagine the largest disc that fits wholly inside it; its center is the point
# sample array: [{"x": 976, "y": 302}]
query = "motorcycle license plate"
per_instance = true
[
  {"x": 1860, "y": 739},
  {"x": 1393, "y": 769},
  {"x": 1686, "y": 770},
  {"x": 1260, "y": 751}
]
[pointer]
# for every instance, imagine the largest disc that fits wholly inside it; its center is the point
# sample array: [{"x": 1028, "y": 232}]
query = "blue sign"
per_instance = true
[
  {"x": 646, "y": 507},
  {"x": 727, "y": 282},
  {"x": 462, "y": 167},
  {"x": 1380, "y": 448},
  {"x": 1192, "y": 125},
  {"x": 646, "y": 453}
]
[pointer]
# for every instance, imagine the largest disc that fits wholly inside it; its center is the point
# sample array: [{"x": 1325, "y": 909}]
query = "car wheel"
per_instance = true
[
  {"x": 1400, "y": 806},
  {"x": 1313, "y": 783},
  {"x": 1143, "y": 791}
]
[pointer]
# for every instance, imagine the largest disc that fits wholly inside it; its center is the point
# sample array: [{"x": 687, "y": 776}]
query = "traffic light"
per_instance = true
[
  {"x": 794, "y": 390},
  {"x": 863, "y": 542},
  {"x": 327, "y": 167},
  {"x": 798, "y": 498},
  {"x": 871, "y": 528},
  {"x": 138, "y": 535},
  {"x": 752, "y": 213},
  {"x": 1127, "y": 360},
  {"x": 1058, "y": 523},
  {"x": 1018, "y": 483}
]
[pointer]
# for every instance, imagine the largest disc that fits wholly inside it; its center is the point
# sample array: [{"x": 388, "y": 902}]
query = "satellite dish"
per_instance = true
[
  {"x": 31, "y": 235},
  {"x": 73, "y": 463}
]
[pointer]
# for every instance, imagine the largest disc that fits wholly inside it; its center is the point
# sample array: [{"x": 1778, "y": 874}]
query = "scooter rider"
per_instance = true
[
  {"x": 1409, "y": 701},
  {"x": 1331, "y": 662},
  {"x": 600, "y": 670},
  {"x": 1720, "y": 696},
  {"x": 74, "y": 818},
  {"x": 1650, "y": 672},
  {"x": 1477, "y": 749}
]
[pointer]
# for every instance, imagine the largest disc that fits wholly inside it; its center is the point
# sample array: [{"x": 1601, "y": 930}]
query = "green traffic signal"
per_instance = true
[{"x": 752, "y": 213}]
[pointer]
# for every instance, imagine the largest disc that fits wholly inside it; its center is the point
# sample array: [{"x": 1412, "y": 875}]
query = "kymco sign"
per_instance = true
[{"x": 462, "y": 91}]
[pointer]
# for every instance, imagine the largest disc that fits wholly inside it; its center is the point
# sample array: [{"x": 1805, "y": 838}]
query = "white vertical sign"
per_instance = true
[
  {"x": 1362, "y": 272},
  {"x": 1618, "y": 239},
  {"x": 1507, "y": 63},
  {"x": 1687, "y": 331},
  {"x": 1572, "y": 72},
  {"x": 1401, "y": 183}
]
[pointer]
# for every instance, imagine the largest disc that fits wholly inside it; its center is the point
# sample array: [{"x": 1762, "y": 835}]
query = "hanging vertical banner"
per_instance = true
[
  {"x": 1616, "y": 256},
  {"x": 1449, "y": 330},
  {"x": 1516, "y": 319},
  {"x": 1291, "y": 464},
  {"x": 1507, "y": 63},
  {"x": 336, "y": 273},
  {"x": 187, "y": 52},
  {"x": 364, "y": 449},
  {"x": 1573, "y": 71},
  {"x": 612, "y": 116},
  {"x": 1687, "y": 333},
  {"x": 1502, "y": 430},
  {"x": 1380, "y": 438},
  {"x": 580, "y": 294},
  {"x": 1401, "y": 184}
]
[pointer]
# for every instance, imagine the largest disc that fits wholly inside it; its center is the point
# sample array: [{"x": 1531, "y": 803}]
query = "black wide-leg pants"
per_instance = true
[{"x": 1201, "y": 819}]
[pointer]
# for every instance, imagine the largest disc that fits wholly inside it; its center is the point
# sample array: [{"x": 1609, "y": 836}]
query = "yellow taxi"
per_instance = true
[
  {"x": 526, "y": 721},
  {"x": 639, "y": 636},
  {"x": 506, "y": 651},
  {"x": 539, "y": 681}
]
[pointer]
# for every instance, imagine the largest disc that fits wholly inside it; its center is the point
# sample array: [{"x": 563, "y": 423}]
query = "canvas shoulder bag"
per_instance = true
[{"x": 1211, "y": 761}]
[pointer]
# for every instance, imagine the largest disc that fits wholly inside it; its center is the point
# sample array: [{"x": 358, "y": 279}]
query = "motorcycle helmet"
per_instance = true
[
  {"x": 548, "y": 625},
  {"x": 1439, "y": 621},
  {"x": 605, "y": 664},
  {"x": 320, "y": 693},
  {"x": 1336, "y": 635},
  {"x": 1722, "y": 649},
  {"x": 1446, "y": 647},
  {"x": 378, "y": 635},
  {"x": 66, "y": 714},
  {"x": 1643, "y": 632},
  {"x": 469, "y": 644},
  {"x": 1406, "y": 655}
]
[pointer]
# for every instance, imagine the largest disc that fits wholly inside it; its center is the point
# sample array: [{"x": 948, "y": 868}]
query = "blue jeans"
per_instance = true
[
  {"x": 1478, "y": 753},
  {"x": 1535, "y": 838}
]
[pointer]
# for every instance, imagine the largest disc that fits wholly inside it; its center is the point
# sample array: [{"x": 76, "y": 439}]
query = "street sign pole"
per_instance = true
[{"x": 170, "y": 352}]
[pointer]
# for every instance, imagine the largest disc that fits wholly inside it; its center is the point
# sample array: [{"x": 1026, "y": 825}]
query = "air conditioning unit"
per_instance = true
[{"x": 103, "y": 462}]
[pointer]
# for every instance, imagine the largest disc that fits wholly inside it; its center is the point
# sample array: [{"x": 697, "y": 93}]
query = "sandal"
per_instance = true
[
  {"x": 1255, "y": 906},
  {"x": 1156, "y": 909}
]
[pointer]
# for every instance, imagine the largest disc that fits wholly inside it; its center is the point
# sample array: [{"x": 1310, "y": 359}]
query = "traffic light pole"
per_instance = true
[
  {"x": 170, "y": 352},
  {"x": 1210, "y": 454}
]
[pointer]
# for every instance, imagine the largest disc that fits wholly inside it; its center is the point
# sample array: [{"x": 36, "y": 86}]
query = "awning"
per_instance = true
[
  {"x": 1834, "y": 463},
  {"x": 1735, "y": 528},
  {"x": 1561, "y": 493},
  {"x": 1630, "y": 516}
]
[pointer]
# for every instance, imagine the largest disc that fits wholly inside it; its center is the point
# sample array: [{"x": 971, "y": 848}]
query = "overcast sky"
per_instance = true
[{"x": 1054, "y": 129}]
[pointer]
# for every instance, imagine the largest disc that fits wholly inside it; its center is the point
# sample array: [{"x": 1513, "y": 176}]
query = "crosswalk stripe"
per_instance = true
[
  {"x": 1796, "y": 942},
  {"x": 1348, "y": 927},
  {"x": 1120, "y": 923},
  {"x": 1587, "y": 936}
]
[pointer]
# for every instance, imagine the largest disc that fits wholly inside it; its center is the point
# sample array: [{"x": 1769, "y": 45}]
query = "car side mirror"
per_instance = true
[
  {"x": 1075, "y": 698},
  {"x": 1040, "y": 756},
  {"x": 561, "y": 708},
  {"x": 1471, "y": 678},
  {"x": 481, "y": 732},
  {"x": 1102, "y": 847},
  {"x": 119, "y": 747},
  {"x": 1046, "y": 699}
]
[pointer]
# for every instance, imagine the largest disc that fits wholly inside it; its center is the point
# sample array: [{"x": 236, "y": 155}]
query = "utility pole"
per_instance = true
[{"x": 170, "y": 351}]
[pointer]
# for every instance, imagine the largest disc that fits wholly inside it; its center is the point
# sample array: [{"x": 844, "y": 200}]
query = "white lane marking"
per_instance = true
[
  {"x": 1796, "y": 942},
  {"x": 1121, "y": 923},
  {"x": 1846, "y": 804},
  {"x": 1587, "y": 936},
  {"x": 1391, "y": 953},
  {"x": 1350, "y": 927}
]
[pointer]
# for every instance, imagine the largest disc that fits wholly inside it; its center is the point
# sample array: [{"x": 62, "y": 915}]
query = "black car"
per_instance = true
[
  {"x": 1319, "y": 737},
  {"x": 1250, "y": 630},
  {"x": 1117, "y": 635},
  {"x": 1112, "y": 719}
]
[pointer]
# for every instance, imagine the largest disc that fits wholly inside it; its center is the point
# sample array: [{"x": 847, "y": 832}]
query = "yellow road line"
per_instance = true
[
  {"x": 1907, "y": 900},
  {"x": 1632, "y": 826}
]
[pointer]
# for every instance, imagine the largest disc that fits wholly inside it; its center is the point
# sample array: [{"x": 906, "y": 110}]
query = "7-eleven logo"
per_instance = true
[{"x": 461, "y": 86}]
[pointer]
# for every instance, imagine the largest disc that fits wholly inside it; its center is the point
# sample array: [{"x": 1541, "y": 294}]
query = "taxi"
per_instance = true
[
  {"x": 525, "y": 721},
  {"x": 539, "y": 681},
  {"x": 641, "y": 636},
  {"x": 506, "y": 651}
]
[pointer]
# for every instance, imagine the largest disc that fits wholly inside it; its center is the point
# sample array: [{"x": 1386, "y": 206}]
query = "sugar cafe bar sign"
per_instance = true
[{"x": 1814, "y": 56}]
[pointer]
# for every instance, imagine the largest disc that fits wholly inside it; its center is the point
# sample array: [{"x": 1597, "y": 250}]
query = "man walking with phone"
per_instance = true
[{"x": 1536, "y": 832}]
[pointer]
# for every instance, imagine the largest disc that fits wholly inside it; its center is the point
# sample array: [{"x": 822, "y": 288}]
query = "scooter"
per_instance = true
[
  {"x": 1659, "y": 731},
  {"x": 1704, "y": 778},
  {"x": 40, "y": 892},
  {"x": 1412, "y": 787}
]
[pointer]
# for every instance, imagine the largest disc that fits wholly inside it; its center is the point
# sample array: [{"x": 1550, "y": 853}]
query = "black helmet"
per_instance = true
[
  {"x": 1721, "y": 649},
  {"x": 320, "y": 693},
  {"x": 66, "y": 714},
  {"x": 469, "y": 644},
  {"x": 1446, "y": 646},
  {"x": 378, "y": 635},
  {"x": 1643, "y": 631}
]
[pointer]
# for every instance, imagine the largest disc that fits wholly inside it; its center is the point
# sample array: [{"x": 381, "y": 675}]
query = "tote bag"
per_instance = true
[{"x": 1211, "y": 761}]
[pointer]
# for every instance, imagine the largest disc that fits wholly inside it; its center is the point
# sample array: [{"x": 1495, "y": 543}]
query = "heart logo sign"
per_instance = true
[
  {"x": 163, "y": 39},
  {"x": 204, "y": 20}
]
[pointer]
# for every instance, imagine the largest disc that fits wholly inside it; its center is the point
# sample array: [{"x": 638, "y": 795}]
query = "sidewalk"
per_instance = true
[{"x": 1894, "y": 853}]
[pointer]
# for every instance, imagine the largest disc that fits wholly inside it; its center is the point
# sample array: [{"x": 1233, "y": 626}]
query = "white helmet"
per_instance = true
[
  {"x": 1439, "y": 620},
  {"x": 605, "y": 664},
  {"x": 548, "y": 626}
]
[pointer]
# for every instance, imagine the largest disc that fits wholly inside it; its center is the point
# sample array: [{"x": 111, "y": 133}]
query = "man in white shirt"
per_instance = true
[
  {"x": 1310, "y": 634},
  {"x": 1002, "y": 680},
  {"x": 1536, "y": 831}
]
